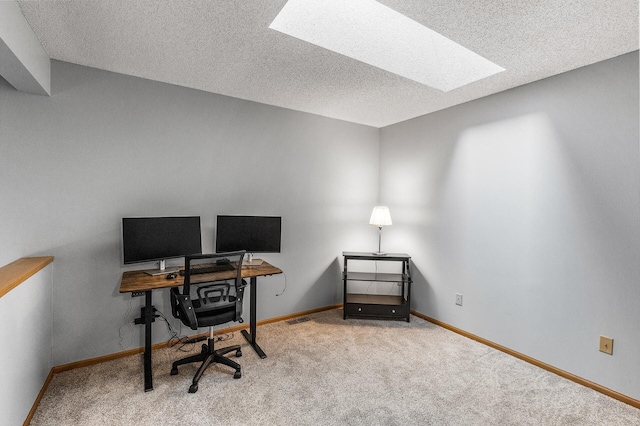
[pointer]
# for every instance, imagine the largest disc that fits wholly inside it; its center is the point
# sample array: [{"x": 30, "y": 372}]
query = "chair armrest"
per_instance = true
[
  {"x": 183, "y": 309},
  {"x": 242, "y": 285}
]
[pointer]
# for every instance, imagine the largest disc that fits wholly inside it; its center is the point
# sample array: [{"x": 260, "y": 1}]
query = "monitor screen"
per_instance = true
[
  {"x": 157, "y": 238},
  {"x": 255, "y": 234}
]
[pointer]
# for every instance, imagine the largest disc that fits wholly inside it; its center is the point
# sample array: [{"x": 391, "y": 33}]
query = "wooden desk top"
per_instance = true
[{"x": 141, "y": 281}]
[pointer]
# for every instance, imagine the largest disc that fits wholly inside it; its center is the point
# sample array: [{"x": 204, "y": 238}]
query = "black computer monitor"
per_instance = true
[
  {"x": 147, "y": 239},
  {"x": 255, "y": 234}
]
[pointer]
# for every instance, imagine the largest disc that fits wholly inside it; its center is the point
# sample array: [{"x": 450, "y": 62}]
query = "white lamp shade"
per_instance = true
[{"x": 380, "y": 216}]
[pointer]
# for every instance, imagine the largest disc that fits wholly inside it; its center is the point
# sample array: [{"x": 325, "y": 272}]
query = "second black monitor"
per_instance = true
[{"x": 255, "y": 234}]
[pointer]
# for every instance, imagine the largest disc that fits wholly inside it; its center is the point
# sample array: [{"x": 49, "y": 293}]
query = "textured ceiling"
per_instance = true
[{"x": 226, "y": 47}]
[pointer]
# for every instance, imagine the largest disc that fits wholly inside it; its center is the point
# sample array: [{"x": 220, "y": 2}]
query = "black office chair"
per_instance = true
[{"x": 215, "y": 302}]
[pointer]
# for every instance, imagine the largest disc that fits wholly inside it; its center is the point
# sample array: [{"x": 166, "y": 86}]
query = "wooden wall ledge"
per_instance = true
[{"x": 19, "y": 271}]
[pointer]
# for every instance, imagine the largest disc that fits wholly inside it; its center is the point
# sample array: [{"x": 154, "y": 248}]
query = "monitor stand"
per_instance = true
[
  {"x": 162, "y": 269},
  {"x": 250, "y": 261}
]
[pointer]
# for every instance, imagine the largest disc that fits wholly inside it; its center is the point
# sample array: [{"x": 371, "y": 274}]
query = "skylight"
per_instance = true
[{"x": 372, "y": 33}]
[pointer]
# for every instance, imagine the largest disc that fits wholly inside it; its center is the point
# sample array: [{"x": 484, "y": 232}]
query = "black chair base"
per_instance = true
[{"x": 209, "y": 356}]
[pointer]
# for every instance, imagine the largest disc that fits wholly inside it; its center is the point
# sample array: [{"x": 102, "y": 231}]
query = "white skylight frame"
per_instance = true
[{"x": 373, "y": 33}]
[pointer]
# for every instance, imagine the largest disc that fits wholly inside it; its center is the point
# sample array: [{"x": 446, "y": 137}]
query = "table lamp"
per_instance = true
[{"x": 380, "y": 217}]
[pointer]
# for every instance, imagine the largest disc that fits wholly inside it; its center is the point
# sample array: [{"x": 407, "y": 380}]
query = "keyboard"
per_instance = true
[{"x": 208, "y": 268}]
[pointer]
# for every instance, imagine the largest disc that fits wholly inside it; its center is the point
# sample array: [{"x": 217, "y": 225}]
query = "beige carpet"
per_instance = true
[{"x": 327, "y": 371}]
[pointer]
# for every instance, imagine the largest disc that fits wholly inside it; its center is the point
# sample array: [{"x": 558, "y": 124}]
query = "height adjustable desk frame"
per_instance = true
[{"x": 140, "y": 281}]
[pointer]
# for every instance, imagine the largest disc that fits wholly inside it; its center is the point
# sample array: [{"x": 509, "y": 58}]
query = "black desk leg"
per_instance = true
[
  {"x": 148, "y": 318},
  {"x": 251, "y": 338}
]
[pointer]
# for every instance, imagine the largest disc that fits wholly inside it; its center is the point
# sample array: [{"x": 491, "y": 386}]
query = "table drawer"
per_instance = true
[{"x": 380, "y": 311}]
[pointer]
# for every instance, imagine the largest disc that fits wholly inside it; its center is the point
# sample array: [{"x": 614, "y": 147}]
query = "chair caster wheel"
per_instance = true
[
  {"x": 174, "y": 371},
  {"x": 205, "y": 349},
  {"x": 193, "y": 388},
  {"x": 238, "y": 353},
  {"x": 237, "y": 375}
]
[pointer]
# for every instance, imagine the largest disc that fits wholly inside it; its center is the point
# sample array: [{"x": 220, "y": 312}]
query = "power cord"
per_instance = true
[
  {"x": 127, "y": 324},
  {"x": 227, "y": 336},
  {"x": 285, "y": 285},
  {"x": 375, "y": 264},
  {"x": 172, "y": 332},
  {"x": 183, "y": 343}
]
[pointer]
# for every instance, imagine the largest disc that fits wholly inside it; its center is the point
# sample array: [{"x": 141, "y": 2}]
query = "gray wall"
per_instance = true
[
  {"x": 105, "y": 146},
  {"x": 528, "y": 203}
]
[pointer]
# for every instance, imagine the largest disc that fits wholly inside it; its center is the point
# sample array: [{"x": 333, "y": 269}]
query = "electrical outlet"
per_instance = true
[
  {"x": 458, "y": 299},
  {"x": 606, "y": 345},
  {"x": 137, "y": 293}
]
